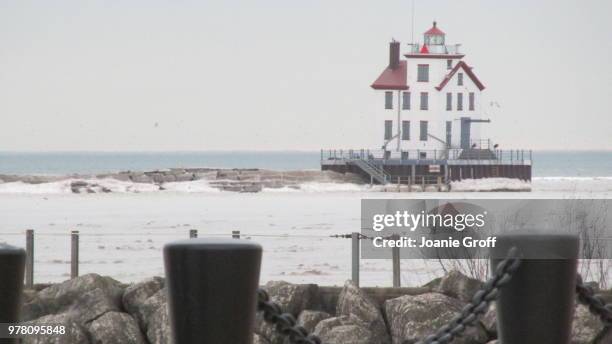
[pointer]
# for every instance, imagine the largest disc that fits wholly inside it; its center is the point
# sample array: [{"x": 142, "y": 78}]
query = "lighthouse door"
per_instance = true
[{"x": 465, "y": 132}]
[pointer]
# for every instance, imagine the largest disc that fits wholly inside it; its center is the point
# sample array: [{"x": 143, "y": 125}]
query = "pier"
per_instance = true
[{"x": 429, "y": 167}]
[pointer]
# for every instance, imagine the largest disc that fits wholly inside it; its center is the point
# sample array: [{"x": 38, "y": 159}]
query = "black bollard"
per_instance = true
[
  {"x": 212, "y": 290},
  {"x": 537, "y": 306},
  {"x": 12, "y": 265}
]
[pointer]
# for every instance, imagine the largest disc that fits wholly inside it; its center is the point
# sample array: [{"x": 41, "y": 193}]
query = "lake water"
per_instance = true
[{"x": 545, "y": 163}]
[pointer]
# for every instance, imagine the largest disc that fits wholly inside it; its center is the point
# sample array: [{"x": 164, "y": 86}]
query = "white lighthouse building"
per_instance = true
[
  {"x": 428, "y": 100},
  {"x": 428, "y": 114}
]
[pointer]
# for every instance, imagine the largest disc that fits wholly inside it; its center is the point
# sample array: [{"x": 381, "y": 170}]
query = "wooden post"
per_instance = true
[
  {"x": 193, "y": 233},
  {"x": 235, "y": 234},
  {"x": 355, "y": 258},
  {"x": 74, "y": 254},
  {"x": 395, "y": 257},
  {"x": 29, "y": 268}
]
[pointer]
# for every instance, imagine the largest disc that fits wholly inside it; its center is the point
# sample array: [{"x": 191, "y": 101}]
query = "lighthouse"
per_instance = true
[
  {"x": 429, "y": 113},
  {"x": 428, "y": 100}
]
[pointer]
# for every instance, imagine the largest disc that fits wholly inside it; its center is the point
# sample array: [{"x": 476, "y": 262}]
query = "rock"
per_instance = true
[
  {"x": 489, "y": 321},
  {"x": 208, "y": 175},
  {"x": 141, "y": 178},
  {"x": 457, "y": 285},
  {"x": 266, "y": 332},
  {"x": 293, "y": 298},
  {"x": 586, "y": 326},
  {"x": 411, "y": 318},
  {"x": 309, "y": 319},
  {"x": 84, "y": 298},
  {"x": 158, "y": 329},
  {"x": 137, "y": 294},
  {"x": 116, "y": 327},
  {"x": 345, "y": 329},
  {"x": 183, "y": 177},
  {"x": 353, "y": 301},
  {"x": 228, "y": 174},
  {"x": 75, "y": 333},
  {"x": 605, "y": 337},
  {"x": 152, "y": 315},
  {"x": 257, "y": 339}
]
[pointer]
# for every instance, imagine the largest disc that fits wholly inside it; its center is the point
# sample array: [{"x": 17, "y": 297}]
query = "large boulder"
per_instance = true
[
  {"x": 137, "y": 294},
  {"x": 293, "y": 298},
  {"x": 586, "y": 326},
  {"x": 354, "y": 301},
  {"x": 74, "y": 332},
  {"x": 345, "y": 329},
  {"x": 115, "y": 327},
  {"x": 459, "y": 286},
  {"x": 257, "y": 339},
  {"x": 84, "y": 299},
  {"x": 158, "y": 329},
  {"x": 489, "y": 321},
  {"x": 152, "y": 314},
  {"x": 309, "y": 319},
  {"x": 411, "y": 318}
]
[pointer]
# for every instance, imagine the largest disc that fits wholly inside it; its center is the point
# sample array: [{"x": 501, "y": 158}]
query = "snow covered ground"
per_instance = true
[{"x": 123, "y": 232}]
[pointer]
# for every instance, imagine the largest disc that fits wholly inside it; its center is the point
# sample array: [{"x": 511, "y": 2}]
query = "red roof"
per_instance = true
[
  {"x": 434, "y": 30},
  {"x": 468, "y": 71},
  {"x": 392, "y": 79}
]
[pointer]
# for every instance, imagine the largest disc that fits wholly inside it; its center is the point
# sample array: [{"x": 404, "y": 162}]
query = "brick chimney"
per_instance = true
[{"x": 394, "y": 54}]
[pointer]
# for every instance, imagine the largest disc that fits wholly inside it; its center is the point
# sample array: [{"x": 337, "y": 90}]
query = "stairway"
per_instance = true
[
  {"x": 477, "y": 154},
  {"x": 375, "y": 172}
]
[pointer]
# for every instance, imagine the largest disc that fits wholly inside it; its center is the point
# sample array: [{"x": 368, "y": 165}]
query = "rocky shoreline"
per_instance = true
[
  {"x": 236, "y": 180},
  {"x": 99, "y": 309}
]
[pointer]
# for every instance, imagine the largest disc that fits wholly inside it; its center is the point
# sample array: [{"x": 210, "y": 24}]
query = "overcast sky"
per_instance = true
[{"x": 286, "y": 75}]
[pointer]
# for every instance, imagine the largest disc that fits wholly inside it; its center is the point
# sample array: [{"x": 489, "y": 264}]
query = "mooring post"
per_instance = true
[
  {"x": 193, "y": 233},
  {"x": 395, "y": 257},
  {"x": 29, "y": 267},
  {"x": 537, "y": 305},
  {"x": 235, "y": 234},
  {"x": 74, "y": 254},
  {"x": 355, "y": 258},
  {"x": 12, "y": 265},
  {"x": 212, "y": 290}
]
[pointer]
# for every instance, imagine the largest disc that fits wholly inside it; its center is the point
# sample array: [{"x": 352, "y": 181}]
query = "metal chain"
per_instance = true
[
  {"x": 285, "y": 322},
  {"x": 480, "y": 302},
  {"x": 597, "y": 306}
]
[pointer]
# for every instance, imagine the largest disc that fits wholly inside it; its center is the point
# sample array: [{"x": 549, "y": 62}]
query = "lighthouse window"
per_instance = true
[
  {"x": 423, "y": 136},
  {"x": 471, "y": 101},
  {"x": 449, "y": 101},
  {"x": 388, "y": 100},
  {"x": 388, "y": 130},
  {"x": 449, "y": 64},
  {"x": 459, "y": 101},
  {"x": 460, "y": 79},
  {"x": 405, "y": 130},
  {"x": 424, "y": 101},
  {"x": 406, "y": 101},
  {"x": 423, "y": 73}
]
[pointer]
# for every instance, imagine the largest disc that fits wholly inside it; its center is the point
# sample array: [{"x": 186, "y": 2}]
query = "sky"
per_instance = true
[{"x": 286, "y": 75}]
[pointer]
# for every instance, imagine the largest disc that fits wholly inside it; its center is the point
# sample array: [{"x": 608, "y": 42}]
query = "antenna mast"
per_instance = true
[{"x": 412, "y": 32}]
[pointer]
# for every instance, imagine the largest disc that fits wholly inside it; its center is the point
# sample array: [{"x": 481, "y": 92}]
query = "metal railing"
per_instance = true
[{"x": 500, "y": 156}]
